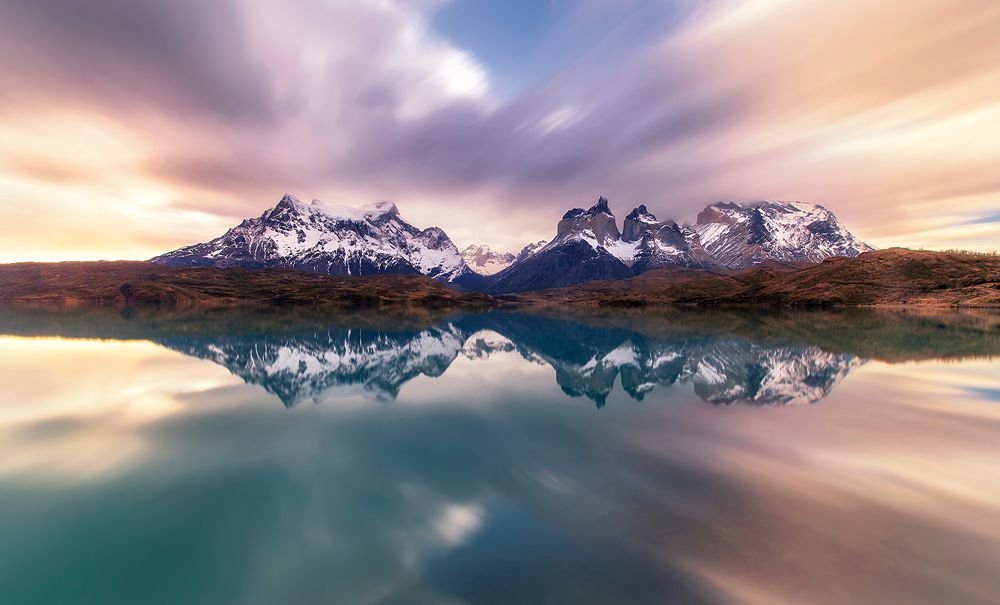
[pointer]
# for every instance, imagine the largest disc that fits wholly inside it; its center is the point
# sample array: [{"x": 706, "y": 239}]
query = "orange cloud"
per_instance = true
[{"x": 154, "y": 134}]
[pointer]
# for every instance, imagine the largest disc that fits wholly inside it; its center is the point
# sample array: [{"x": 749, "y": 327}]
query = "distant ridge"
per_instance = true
[
  {"x": 890, "y": 277},
  {"x": 484, "y": 260}
]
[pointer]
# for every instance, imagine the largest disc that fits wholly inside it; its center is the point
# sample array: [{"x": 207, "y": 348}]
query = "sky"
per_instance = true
[{"x": 132, "y": 127}]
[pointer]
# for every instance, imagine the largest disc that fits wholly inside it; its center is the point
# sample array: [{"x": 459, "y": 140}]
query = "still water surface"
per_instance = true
[{"x": 500, "y": 458}]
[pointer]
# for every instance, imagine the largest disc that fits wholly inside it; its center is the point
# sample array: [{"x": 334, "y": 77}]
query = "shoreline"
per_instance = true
[{"x": 884, "y": 279}]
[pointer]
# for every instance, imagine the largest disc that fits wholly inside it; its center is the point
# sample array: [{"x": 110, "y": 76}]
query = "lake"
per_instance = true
[{"x": 624, "y": 457}]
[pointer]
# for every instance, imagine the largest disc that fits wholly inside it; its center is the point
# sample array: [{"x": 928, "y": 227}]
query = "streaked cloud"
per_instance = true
[{"x": 128, "y": 127}]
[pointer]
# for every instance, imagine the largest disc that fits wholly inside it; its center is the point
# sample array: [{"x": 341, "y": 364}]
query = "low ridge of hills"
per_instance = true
[
  {"x": 140, "y": 283},
  {"x": 894, "y": 276},
  {"x": 890, "y": 277}
]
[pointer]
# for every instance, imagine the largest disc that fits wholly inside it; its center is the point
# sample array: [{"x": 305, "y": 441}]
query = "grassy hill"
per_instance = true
[
  {"x": 894, "y": 276},
  {"x": 126, "y": 283},
  {"x": 889, "y": 277}
]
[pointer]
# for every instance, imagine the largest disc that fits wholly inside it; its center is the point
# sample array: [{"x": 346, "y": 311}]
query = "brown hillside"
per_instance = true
[
  {"x": 129, "y": 283},
  {"x": 894, "y": 276}
]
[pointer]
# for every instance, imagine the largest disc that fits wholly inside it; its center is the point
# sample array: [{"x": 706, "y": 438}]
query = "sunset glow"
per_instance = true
[{"x": 132, "y": 128}]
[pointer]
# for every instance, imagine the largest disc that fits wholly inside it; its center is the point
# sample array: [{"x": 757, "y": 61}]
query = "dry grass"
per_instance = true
[
  {"x": 894, "y": 276},
  {"x": 129, "y": 283},
  {"x": 882, "y": 278}
]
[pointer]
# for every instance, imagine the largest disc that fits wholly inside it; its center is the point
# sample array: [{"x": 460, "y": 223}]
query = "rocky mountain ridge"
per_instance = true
[
  {"x": 337, "y": 240},
  {"x": 588, "y": 245}
]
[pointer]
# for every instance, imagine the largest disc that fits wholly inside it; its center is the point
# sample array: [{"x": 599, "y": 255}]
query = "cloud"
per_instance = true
[
  {"x": 181, "y": 56},
  {"x": 885, "y": 112}
]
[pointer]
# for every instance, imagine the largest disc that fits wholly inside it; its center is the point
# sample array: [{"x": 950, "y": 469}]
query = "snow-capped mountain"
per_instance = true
[
  {"x": 579, "y": 253},
  {"x": 740, "y": 236},
  {"x": 339, "y": 240},
  {"x": 644, "y": 243},
  {"x": 529, "y": 250},
  {"x": 662, "y": 243},
  {"x": 484, "y": 261},
  {"x": 322, "y": 364},
  {"x": 588, "y": 245},
  {"x": 375, "y": 239}
]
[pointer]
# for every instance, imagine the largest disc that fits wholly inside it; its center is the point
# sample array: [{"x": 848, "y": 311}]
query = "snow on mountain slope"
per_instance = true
[
  {"x": 727, "y": 235},
  {"x": 375, "y": 239},
  {"x": 588, "y": 245},
  {"x": 662, "y": 243},
  {"x": 339, "y": 240},
  {"x": 529, "y": 250},
  {"x": 644, "y": 243},
  {"x": 484, "y": 261},
  {"x": 744, "y": 235}
]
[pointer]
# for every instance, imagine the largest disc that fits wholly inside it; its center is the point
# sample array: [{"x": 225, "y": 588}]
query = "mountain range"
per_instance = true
[
  {"x": 338, "y": 240},
  {"x": 588, "y": 245}
]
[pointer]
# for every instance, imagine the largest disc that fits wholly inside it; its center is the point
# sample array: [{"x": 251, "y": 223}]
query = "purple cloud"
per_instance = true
[{"x": 676, "y": 105}]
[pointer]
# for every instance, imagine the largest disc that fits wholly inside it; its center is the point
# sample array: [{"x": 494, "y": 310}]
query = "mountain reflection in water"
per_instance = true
[
  {"x": 320, "y": 364},
  {"x": 131, "y": 473},
  {"x": 728, "y": 358}
]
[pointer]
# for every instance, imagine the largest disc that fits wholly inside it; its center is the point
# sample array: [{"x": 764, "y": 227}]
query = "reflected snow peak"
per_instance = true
[{"x": 588, "y": 361}]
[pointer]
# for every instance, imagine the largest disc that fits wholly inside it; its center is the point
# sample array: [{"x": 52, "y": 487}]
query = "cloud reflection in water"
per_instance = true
[{"x": 479, "y": 484}]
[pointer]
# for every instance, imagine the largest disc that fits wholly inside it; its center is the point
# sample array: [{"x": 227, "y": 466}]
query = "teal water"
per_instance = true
[{"x": 674, "y": 457}]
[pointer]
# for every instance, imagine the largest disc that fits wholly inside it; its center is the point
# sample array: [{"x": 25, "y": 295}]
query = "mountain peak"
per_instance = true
[
  {"x": 741, "y": 235},
  {"x": 640, "y": 212},
  {"x": 484, "y": 261},
  {"x": 597, "y": 223},
  {"x": 600, "y": 206},
  {"x": 383, "y": 207},
  {"x": 640, "y": 222},
  {"x": 371, "y": 239},
  {"x": 287, "y": 208},
  {"x": 529, "y": 250}
]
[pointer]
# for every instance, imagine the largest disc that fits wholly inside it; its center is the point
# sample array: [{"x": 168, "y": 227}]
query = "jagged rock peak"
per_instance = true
[
  {"x": 597, "y": 223},
  {"x": 640, "y": 212},
  {"x": 640, "y": 222},
  {"x": 600, "y": 207},
  {"x": 287, "y": 203}
]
